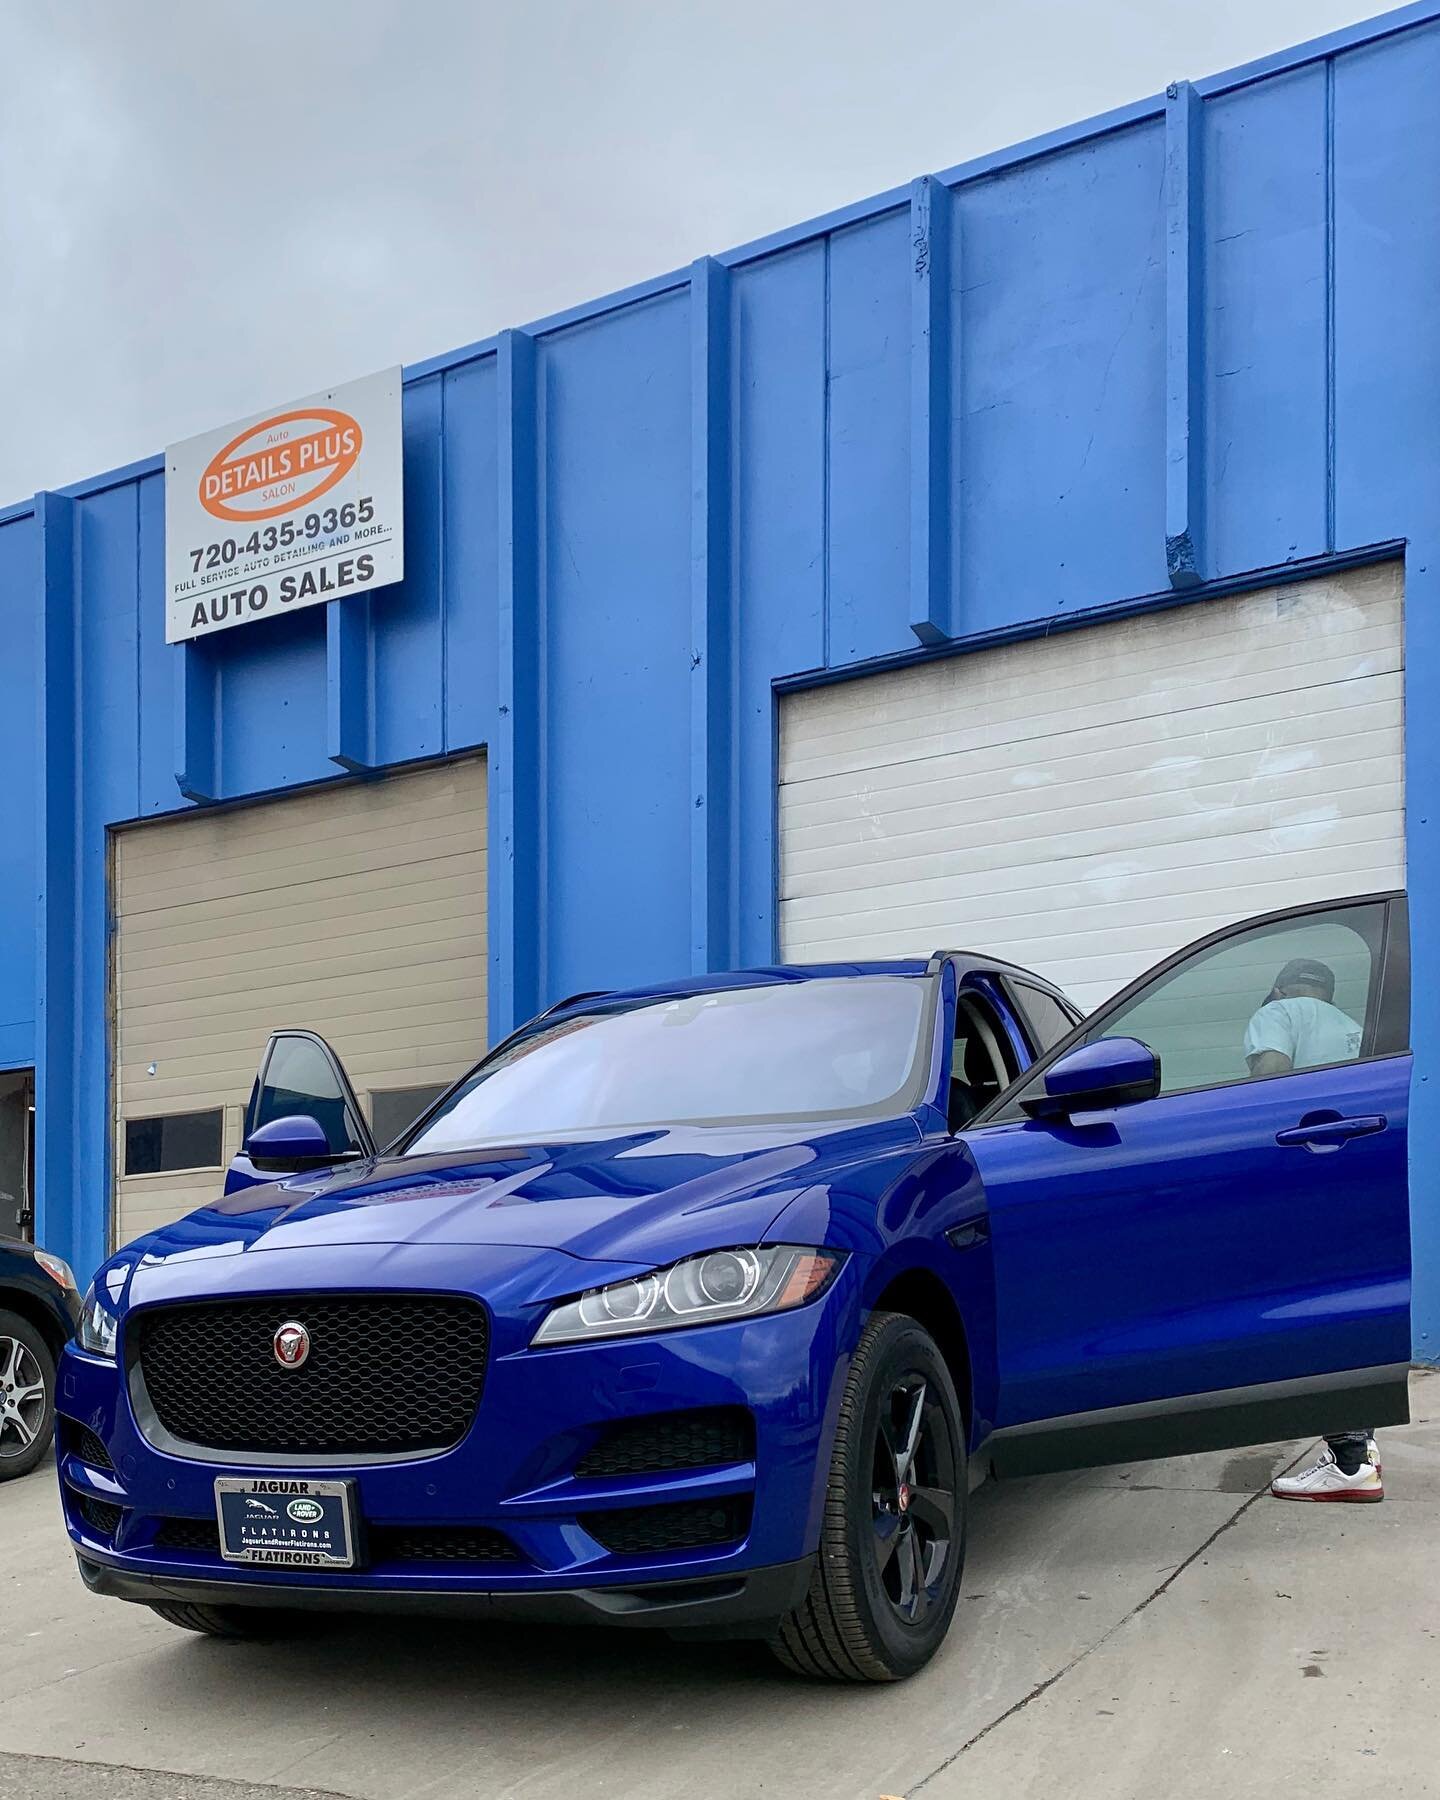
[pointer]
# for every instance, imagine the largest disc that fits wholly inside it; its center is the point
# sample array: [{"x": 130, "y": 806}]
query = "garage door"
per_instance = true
[
  {"x": 356, "y": 909},
  {"x": 1089, "y": 802}
]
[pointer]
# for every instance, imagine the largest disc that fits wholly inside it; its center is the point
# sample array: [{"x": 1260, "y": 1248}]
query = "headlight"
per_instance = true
[
  {"x": 98, "y": 1326},
  {"x": 702, "y": 1290},
  {"x": 57, "y": 1269}
]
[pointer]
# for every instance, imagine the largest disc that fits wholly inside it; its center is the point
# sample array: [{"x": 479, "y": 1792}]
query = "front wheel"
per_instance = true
[{"x": 892, "y": 1544}]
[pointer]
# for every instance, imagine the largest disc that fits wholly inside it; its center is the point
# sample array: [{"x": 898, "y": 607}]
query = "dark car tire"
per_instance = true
[
  {"x": 855, "y": 1623},
  {"x": 240, "y": 1622},
  {"x": 18, "y": 1337}
]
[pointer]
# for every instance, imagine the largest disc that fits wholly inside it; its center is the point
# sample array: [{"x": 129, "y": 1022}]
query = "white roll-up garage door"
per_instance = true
[
  {"x": 1088, "y": 802},
  {"x": 356, "y": 909}
]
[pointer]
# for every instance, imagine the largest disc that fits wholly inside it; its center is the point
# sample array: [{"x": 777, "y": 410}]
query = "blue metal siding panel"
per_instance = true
[
  {"x": 869, "y": 484},
  {"x": 409, "y": 686},
  {"x": 156, "y": 661},
  {"x": 1061, "y": 381},
  {"x": 270, "y": 702},
  {"x": 470, "y": 515},
  {"x": 20, "y": 624},
  {"x": 615, "y": 548},
  {"x": 780, "y": 541},
  {"x": 1266, "y": 310}
]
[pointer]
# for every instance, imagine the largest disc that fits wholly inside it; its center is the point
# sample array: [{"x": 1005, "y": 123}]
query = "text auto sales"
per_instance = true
[{"x": 244, "y": 602}]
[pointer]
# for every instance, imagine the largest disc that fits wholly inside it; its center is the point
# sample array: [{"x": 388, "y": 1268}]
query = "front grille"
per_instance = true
[
  {"x": 188, "y": 1534},
  {"x": 386, "y": 1373},
  {"x": 88, "y": 1447},
  {"x": 440, "y": 1543},
  {"x": 683, "y": 1440},
  {"x": 681, "y": 1525},
  {"x": 102, "y": 1518}
]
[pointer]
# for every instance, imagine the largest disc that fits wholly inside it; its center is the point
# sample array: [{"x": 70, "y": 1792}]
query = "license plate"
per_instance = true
[{"x": 298, "y": 1524}]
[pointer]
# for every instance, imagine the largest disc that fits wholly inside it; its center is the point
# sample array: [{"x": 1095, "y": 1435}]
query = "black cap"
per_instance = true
[{"x": 1305, "y": 971}]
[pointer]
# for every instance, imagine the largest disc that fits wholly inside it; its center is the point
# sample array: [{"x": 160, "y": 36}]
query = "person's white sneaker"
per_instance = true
[{"x": 1326, "y": 1480}]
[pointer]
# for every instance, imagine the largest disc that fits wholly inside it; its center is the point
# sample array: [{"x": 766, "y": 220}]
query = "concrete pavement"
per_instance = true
[{"x": 1122, "y": 1632}]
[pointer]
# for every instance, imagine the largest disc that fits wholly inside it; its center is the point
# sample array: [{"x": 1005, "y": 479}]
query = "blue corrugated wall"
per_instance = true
[{"x": 1153, "y": 357}]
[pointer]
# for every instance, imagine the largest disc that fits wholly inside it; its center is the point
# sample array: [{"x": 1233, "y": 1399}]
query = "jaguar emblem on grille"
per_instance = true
[{"x": 292, "y": 1345}]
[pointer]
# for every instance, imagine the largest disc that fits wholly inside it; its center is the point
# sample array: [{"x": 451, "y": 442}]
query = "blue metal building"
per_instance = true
[{"x": 1178, "y": 354}]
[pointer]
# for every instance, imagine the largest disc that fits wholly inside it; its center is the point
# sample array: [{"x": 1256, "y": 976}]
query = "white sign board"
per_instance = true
[{"x": 290, "y": 508}]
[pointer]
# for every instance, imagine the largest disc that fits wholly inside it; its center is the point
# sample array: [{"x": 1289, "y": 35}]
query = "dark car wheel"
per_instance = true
[
  {"x": 892, "y": 1544},
  {"x": 27, "y": 1396},
  {"x": 231, "y": 1621}
]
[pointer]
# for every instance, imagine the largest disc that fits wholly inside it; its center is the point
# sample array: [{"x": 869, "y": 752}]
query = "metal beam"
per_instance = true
[
  {"x": 712, "y": 872},
  {"x": 1184, "y": 336},
  {"x": 931, "y": 546},
  {"x": 516, "y": 825}
]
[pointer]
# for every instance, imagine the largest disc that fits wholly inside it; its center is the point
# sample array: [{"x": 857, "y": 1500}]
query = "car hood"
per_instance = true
[{"x": 645, "y": 1196}]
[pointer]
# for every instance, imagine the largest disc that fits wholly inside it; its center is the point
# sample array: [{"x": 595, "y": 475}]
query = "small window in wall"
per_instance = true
[
  {"x": 392, "y": 1110},
  {"x": 173, "y": 1141}
]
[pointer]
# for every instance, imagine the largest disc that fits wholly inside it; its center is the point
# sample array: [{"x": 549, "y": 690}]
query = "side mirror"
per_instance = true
[
  {"x": 1108, "y": 1072},
  {"x": 290, "y": 1145}
]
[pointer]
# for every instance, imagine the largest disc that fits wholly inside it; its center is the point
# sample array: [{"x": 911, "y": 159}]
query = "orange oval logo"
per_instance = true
[{"x": 281, "y": 463}]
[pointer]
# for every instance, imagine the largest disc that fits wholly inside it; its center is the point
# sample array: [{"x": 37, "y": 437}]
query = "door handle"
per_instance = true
[{"x": 1330, "y": 1134}]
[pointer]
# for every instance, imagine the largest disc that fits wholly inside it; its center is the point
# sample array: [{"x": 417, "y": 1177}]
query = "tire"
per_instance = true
[
  {"x": 27, "y": 1396},
  {"x": 884, "y": 1537},
  {"x": 236, "y": 1622}
]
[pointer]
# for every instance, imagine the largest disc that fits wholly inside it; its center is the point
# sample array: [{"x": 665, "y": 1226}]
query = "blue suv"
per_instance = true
[{"x": 705, "y": 1306}]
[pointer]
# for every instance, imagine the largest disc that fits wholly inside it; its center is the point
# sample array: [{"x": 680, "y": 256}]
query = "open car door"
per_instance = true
[
  {"x": 300, "y": 1076},
  {"x": 1225, "y": 1260}
]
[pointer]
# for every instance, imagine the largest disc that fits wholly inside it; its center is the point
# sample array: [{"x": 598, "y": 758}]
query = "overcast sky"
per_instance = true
[{"x": 208, "y": 209}]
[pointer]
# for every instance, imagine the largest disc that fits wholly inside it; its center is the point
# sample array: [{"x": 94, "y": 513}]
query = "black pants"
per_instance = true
[{"x": 1350, "y": 1449}]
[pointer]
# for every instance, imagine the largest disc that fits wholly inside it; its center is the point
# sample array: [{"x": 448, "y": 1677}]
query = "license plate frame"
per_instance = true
[{"x": 286, "y": 1522}]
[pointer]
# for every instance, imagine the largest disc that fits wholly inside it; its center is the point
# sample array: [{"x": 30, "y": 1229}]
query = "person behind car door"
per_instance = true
[{"x": 1300, "y": 1027}]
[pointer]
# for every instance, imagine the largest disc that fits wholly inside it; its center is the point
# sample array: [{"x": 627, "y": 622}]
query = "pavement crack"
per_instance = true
[{"x": 1043, "y": 1687}]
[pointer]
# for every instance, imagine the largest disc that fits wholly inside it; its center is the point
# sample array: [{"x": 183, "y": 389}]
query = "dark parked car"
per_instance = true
[
  {"x": 39, "y": 1308},
  {"x": 704, "y": 1306}
]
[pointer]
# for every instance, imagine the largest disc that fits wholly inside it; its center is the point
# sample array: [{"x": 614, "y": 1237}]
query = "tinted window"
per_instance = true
[
  {"x": 301, "y": 1078},
  {"x": 1046, "y": 1017},
  {"x": 797, "y": 1050},
  {"x": 1295, "y": 994},
  {"x": 173, "y": 1141}
]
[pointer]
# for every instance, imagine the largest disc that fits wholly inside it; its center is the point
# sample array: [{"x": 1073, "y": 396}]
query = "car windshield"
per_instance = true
[{"x": 809, "y": 1049}]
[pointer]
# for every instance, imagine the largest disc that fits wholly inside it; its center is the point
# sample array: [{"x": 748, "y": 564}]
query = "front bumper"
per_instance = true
[
  {"x": 511, "y": 1474},
  {"x": 744, "y": 1604}
]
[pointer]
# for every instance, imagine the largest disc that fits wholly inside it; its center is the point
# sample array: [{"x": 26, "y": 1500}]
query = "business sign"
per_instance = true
[{"x": 288, "y": 509}]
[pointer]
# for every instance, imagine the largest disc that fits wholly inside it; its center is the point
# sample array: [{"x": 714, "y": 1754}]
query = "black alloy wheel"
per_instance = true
[
  {"x": 892, "y": 1543},
  {"x": 27, "y": 1396}
]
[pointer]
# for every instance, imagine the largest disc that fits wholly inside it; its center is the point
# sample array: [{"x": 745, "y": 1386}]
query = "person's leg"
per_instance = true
[
  {"x": 1345, "y": 1470},
  {"x": 1350, "y": 1449}
]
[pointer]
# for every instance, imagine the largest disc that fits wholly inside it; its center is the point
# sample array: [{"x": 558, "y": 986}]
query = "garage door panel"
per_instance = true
[
  {"x": 1083, "y": 729},
  {"x": 1172, "y": 848},
  {"x": 915, "y": 826},
  {"x": 325, "y": 815},
  {"x": 158, "y": 938},
  {"x": 1089, "y": 802},
  {"x": 357, "y": 910},
  {"x": 1211, "y": 753},
  {"x": 1351, "y": 616}
]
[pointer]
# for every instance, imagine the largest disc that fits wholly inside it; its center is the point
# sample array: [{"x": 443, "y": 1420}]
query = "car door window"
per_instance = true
[
  {"x": 982, "y": 1062},
  {"x": 1046, "y": 1017},
  {"x": 1297, "y": 993},
  {"x": 300, "y": 1077}
]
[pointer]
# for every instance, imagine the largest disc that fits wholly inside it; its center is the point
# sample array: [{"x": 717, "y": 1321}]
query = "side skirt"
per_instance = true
[{"x": 1227, "y": 1418}]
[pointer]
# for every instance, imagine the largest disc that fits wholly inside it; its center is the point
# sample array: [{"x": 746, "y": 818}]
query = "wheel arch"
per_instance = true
[
  {"x": 28, "y": 1308},
  {"x": 924, "y": 1297}
]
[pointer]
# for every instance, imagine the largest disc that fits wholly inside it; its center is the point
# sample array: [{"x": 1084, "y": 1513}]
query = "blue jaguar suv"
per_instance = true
[{"x": 705, "y": 1306}]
